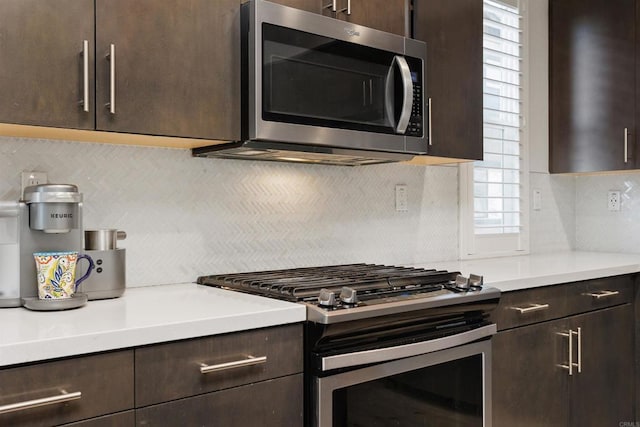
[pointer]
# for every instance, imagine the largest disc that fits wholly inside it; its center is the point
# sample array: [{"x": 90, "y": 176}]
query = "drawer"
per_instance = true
[
  {"x": 121, "y": 419},
  {"x": 175, "y": 370},
  {"x": 592, "y": 295},
  {"x": 530, "y": 306},
  {"x": 271, "y": 403},
  {"x": 104, "y": 383}
]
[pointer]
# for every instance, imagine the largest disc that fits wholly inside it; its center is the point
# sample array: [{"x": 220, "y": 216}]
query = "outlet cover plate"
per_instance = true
[
  {"x": 32, "y": 178},
  {"x": 613, "y": 200}
]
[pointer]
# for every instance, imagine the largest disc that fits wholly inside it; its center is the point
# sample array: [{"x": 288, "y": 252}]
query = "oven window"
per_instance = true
[
  {"x": 448, "y": 395},
  {"x": 315, "y": 80}
]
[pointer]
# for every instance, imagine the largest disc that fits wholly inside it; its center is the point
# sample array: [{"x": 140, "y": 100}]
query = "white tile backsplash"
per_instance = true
[
  {"x": 553, "y": 227},
  {"x": 599, "y": 229},
  {"x": 188, "y": 216}
]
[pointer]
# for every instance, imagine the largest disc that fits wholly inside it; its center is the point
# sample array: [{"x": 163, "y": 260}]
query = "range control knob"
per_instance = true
[
  {"x": 348, "y": 295},
  {"x": 462, "y": 282},
  {"x": 476, "y": 281},
  {"x": 327, "y": 298}
]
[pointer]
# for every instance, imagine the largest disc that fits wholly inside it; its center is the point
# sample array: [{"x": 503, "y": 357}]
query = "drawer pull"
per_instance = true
[
  {"x": 533, "y": 307},
  {"x": 51, "y": 400},
  {"x": 602, "y": 294},
  {"x": 250, "y": 361}
]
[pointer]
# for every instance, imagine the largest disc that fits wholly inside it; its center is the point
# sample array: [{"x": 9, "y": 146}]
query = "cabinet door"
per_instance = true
[
  {"x": 176, "y": 69},
  {"x": 314, "y": 6},
  {"x": 96, "y": 385},
  {"x": 41, "y": 62},
  {"x": 121, "y": 419},
  {"x": 592, "y": 81},
  {"x": 529, "y": 386},
  {"x": 453, "y": 33},
  {"x": 384, "y": 15},
  {"x": 273, "y": 403},
  {"x": 172, "y": 370},
  {"x": 602, "y": 394}
]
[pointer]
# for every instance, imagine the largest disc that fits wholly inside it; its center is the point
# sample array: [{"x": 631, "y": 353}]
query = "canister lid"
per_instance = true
[{"x": 52, "y": 193}]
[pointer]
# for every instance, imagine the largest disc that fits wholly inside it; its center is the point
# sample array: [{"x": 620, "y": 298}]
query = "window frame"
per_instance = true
[{"x": 473, "y": 245}]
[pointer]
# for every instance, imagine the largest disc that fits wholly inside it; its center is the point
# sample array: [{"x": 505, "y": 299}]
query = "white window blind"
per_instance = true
[
  {"x": 497, "y": 179},
  {"x": 493, "y": 192}
]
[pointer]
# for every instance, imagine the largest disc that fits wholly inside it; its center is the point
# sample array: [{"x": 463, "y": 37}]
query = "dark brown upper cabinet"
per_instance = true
[
  {"x": 169, "y": 68},
  {"x": 453, "y": 33},
  {"x": 314, "y": 6},
  {"x": 47, "y": 63},
  {"x": 384, "y": 15},
  {"x": 592, "y": 87},
  {"x": 161, "y": 67}
]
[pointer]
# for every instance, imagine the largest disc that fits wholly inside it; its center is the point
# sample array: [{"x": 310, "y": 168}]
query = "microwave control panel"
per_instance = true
[{"x": 415, "y": 121}]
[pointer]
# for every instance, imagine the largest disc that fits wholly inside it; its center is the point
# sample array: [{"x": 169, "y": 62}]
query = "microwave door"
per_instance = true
[{"x": 399, "y": 94}]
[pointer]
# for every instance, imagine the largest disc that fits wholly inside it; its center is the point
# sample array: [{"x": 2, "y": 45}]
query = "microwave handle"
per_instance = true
[{"x": 407, "y": 94}]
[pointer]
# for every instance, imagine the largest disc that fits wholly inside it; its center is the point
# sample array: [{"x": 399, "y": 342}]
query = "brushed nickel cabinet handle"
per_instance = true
[
  {"x": 626, "y": 144},
  {"x": 533, "y": 307},
  {"x": 430, "y": 127},
  {"x": 569, "y": 366},
  {"x": 111, "y": 56},
  {"x": 346, "y": 9},
  {"x": 35, "y": 403},
  {"x": 579, "y": 333},
  {"x": 602, "y": 294},
  {"x": 250, "y": 361},
  {"x": 333, "y": 6},
  {"x": 85, "y": 76}
]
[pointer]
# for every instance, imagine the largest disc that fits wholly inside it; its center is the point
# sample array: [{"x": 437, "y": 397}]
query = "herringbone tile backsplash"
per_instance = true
[{"x": 186, "y": 216}]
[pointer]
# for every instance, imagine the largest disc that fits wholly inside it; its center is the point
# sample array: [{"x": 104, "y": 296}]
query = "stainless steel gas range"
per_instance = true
[{"x": 387, "y": 345}]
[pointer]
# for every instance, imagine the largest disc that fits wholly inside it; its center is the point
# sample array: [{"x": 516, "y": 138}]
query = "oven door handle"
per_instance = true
[{"x": 407, "y": 350}]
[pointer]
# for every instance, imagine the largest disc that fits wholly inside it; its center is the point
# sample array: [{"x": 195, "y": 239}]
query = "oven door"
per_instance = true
[{"x": 448, "y": 388}]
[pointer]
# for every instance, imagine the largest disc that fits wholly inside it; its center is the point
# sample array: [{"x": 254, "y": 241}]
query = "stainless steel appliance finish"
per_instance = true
[
  {"x": 387, "y": 345},
  {"x": 320, "y": 90},
  {"x": 374, "y": 290},
  {"x": 9, "y": 255},
  {"x": 413, "y": 378},
  {"x": 35, "y": 240},
  {"x": 53, "y": 208},
  {"x": 103, "y": 240},
  {"x": 108, "y": 280}
]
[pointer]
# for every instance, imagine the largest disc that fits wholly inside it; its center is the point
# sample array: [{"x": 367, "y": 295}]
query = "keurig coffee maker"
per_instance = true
[
  {"x": 48, "y": 218},
  {"x": 108, "y": 280}
]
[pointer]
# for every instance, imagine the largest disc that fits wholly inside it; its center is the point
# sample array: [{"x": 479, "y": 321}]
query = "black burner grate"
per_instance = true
[{"x": 304, "y": 284}]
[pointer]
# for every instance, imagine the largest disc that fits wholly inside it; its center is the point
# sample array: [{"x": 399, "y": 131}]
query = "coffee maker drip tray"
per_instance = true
[{"x": 34, "y": 303}]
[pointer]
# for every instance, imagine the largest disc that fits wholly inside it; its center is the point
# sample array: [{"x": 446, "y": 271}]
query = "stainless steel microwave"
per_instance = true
[{"x": 318, "y": 89}]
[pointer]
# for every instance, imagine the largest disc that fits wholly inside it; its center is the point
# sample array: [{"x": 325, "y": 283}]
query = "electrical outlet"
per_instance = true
[
  {"x": 537, "y": 199},
  {"x": 613, "y": 200},
  {"x": 32, "y": 178},
  {"x": 402, "y": 200}
]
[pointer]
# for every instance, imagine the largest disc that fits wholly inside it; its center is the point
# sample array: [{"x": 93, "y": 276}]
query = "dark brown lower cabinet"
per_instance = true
[
  {"x": 78, "y": 388},
  {"x": 273, "y": 403},
  {"x": 531, "y": 381},
  {"x": 189, "y": 382},
  {"x": 121, "y": 419}
]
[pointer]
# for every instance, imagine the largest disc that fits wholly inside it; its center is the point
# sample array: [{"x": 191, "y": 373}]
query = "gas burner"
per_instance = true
[{"x": 346, "y": 292}]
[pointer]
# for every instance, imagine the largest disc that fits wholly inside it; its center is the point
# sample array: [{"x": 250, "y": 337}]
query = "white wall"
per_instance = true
[{"x": 188, "y": 216}]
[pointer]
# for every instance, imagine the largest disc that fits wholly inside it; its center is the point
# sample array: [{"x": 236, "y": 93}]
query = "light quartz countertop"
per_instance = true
[
  {"x": 154, "y": 314},
  {"x": 143, "y": 315},
  {"x": 530, "y": 271}
]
